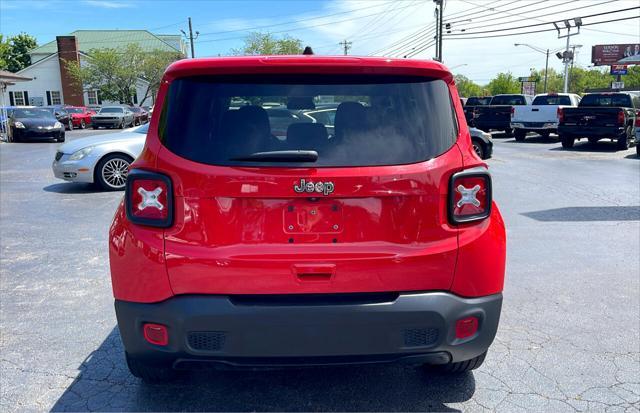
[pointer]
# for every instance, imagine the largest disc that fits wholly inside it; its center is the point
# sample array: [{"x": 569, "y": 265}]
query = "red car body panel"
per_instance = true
[
  {"x": 77, "y": 118},
  {"x": 241, "y": 230}
]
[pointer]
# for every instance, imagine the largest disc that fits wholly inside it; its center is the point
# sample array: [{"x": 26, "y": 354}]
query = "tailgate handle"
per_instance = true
[
  {"x": 535, "y": 110},
  {"x": 314, "y": 272}
]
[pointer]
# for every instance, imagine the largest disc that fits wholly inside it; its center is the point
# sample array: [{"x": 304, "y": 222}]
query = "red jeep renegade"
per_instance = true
[{"x": 362, "y": 232}]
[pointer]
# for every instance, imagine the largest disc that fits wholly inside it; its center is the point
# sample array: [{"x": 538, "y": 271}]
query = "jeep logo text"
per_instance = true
[{"x": 324, "y": 188}]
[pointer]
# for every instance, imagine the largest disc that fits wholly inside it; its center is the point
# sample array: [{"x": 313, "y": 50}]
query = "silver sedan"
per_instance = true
[{"x": 102, "y": 159}]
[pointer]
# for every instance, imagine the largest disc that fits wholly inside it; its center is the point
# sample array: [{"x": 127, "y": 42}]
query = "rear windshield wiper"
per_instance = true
[{"x": 279, "y": 156}]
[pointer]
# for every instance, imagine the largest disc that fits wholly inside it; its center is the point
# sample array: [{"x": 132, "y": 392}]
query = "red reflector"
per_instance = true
[
  {"x": 156, "y": 334},
  {"x": 470, "y": 196},
  {"x": 638, "y": 119},
  {"x": 513, "y": 111},
  {"x": 466, "y": 327}
]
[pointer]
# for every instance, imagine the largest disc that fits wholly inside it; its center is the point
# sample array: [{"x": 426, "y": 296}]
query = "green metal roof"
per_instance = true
[{"x": 101, "y": 39}]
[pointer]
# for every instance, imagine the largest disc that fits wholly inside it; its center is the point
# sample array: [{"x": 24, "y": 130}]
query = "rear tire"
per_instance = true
[
  {"x": 150, "y": 373},
  {"x": 460, "y": 367},
  {"x": 567, "y": 142},
  {"x": 478, "y": 148},
  {"x": 520, "y": 135},
  {"x": 623, "y": 141},
  {"x": 545, "y": 135}
]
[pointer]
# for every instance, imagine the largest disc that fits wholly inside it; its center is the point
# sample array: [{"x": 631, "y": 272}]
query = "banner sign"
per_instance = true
[
  {"x": 618, "y": 69},
  {"x": 609, "y": 54}
]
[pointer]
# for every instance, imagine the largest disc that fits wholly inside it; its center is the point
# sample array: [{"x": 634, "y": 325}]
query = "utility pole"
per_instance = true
[
  {"x": 439, "y": 8},
  {"x": 346, "y": 45},
  {"x": 567, "y": 56},
  {"x": 191, "y": 38},
  {"x": 573, "y": 59}
]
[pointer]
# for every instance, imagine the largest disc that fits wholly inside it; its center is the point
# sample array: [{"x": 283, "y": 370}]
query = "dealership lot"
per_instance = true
[{"x": 568, "y": 338}]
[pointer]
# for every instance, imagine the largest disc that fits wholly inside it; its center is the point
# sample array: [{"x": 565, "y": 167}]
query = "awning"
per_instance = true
[{"x": 8, "y": 77}]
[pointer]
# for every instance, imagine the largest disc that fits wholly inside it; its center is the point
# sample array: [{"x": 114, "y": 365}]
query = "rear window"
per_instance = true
[
  {"x": 508, "y": 100},
  {"x": 615, "y": 100},
  {"x": 346, "y": 120},
  {"x": 475, "y": 101},
  {"x": 552, "y": 100}
]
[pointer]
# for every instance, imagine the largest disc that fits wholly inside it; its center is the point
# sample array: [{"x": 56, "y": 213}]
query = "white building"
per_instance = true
[{"x": 52, "y": 85}]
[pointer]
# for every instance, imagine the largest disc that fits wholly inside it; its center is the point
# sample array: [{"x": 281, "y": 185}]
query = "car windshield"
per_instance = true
[
  {"x": 75, "y": 110},
  {"x": 142, "y": 129},
  {"x": 615, "y": 100},
  {"x": 478, "y": 101},
  {"x": 552, "y": 100},
  {"x": 32, "y": 113},
  {"x": 508, "y": 100},
  {"x": 111, "y": 110},
  {"x": 370, "y": 121}
]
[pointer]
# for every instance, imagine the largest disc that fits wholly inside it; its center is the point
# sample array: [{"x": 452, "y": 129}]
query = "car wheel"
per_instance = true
[
  {"x": 478, "y": 148},
  {"x": 567, "y": 142},
  {"x": 111, "y": 172},
  {"x": 82, "y": 124},
  {"x": 136, "y": 122},
  {"x": 623, "y": 141},
  {"x": 61, "y": 137},
  {"x": 121, "y": 126},
  {"x": 460, "y": 366},
  {"x": 520, "y": 135},
  {"x": 150, "y": 373},
  {"x": 508, "y": 132}
]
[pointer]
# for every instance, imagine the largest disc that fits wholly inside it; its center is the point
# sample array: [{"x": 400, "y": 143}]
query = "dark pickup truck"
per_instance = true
[
  {"x": 470, "y": 105},
  {"x": 601, "y": 116},
  {"x": 497, "y": 115}
]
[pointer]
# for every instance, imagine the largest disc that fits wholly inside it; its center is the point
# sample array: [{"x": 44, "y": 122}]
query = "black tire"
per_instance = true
[
  {"x": 623, "y": 142},
  {"x": 82, "y": 124},
  {"x": 98, "y": 175},
  {"x": 567, "y": 142},
  {"x": 545, "y": 135},
  {"x": 137, "y": 122},
  {"x": 520, "y": 135},
  {"x": 121, "y": 126},
  {"x": 508, "y": 132},
  {"x": 460, "y": 366},
  {"x": 479, "y": 148},
  {"x": 61, "y": 137},
  {"x": 150, "y": 373}
]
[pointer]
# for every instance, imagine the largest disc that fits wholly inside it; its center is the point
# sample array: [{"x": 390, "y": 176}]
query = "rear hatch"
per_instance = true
[
  {"x": 358, "y": 207},
  {"x": 493, "y": 113},
  {"x": 591, "y": 116}
]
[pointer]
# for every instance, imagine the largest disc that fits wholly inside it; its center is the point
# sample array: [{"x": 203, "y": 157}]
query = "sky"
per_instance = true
[{"x": 372, "y": 26}]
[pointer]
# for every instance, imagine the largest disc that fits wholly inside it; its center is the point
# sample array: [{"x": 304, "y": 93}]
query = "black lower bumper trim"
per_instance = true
[{"x": 227, "y": 331}]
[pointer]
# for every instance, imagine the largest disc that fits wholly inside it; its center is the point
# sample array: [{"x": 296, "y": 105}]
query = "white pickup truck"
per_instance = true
[{"x": 542, "y": 115}]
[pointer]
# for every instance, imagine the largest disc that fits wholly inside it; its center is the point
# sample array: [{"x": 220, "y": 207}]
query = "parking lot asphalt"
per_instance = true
[{"x": 569, "y": 337}]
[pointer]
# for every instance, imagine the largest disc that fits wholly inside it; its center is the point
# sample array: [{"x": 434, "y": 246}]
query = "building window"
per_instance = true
[
  {"x": 56, "y": 99},
  {"x": 19, "y": 99},
  {"x": 92, "y": 97}
]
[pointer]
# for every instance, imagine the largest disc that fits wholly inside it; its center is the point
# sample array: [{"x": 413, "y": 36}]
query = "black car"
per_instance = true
[
  {"x": 62, "y": 115},
  {"x": 497, "y": 115},
  {"x": 34, "y": 123}
]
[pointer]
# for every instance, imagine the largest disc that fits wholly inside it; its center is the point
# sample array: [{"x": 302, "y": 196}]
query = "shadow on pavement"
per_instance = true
[
  {"x": 72, "y": 188},
  {"x": 537, "y": 139},
  {"x": 582, "y": 214},
  {"x": 584, "y": 146},
  {"x": 632, "y": 156},
  {"x": 104, "y": 384}
]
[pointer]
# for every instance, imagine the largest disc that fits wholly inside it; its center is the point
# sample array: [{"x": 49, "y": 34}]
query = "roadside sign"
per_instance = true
[
  {"x": 618, "y": 69},
  {"x": 524, "y": 79},
  {"x": 607, "y": 54},
  {"x": 617, "y": 85},
  {"x": 528, "y": 88}
]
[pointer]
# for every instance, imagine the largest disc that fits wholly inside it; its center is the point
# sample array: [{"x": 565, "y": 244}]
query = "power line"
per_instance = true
[
  {"x": 540, "y": 24},
  {"x": 299, "y": 28},
  {"x": 538, "y": 31}
]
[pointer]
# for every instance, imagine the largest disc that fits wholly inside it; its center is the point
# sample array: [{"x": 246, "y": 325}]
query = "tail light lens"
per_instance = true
[
  {"x": 560, "y": 115},
  {"x": 466, "y": 327},
  {"x": 513, "y": 111},
  {"x": 621, "y": 117},
  {"x": 638, "y": 119},
  {"x": 470, "y": 196},
  {"x": 149, "y": 199}
]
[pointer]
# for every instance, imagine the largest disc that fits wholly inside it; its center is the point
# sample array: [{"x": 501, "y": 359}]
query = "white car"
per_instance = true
[
  {"x": 542, "y": 115},
  {"x": 101, "y": 159}
]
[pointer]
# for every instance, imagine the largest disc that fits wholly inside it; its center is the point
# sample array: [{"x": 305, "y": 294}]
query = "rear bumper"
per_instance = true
[
  {"x": 535, "y": 126},
  {"x": 591, "y": 131},
  {"x": 253, "y": 331}
]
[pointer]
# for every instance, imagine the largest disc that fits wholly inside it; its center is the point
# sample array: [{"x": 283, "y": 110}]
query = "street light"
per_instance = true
[
  {"x": 546, "y": 64},
  {"x": 456, "y": 66}
]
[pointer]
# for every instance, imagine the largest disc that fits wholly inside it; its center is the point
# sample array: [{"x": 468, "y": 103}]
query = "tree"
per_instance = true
[
  {"x": 504, "y": 83},
  {"x": 115, "y": 72},
  {"x": 257, "y": 43},
  {"x": 14, "y": 52},
  {"x": 467, "y": 87}
]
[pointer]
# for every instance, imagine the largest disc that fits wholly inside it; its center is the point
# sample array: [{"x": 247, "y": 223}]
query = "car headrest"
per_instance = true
[
  {"x": 349, "y": 115},
  {"x": 309, "y": 136},
  {"x": 255, "y": 118}
]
